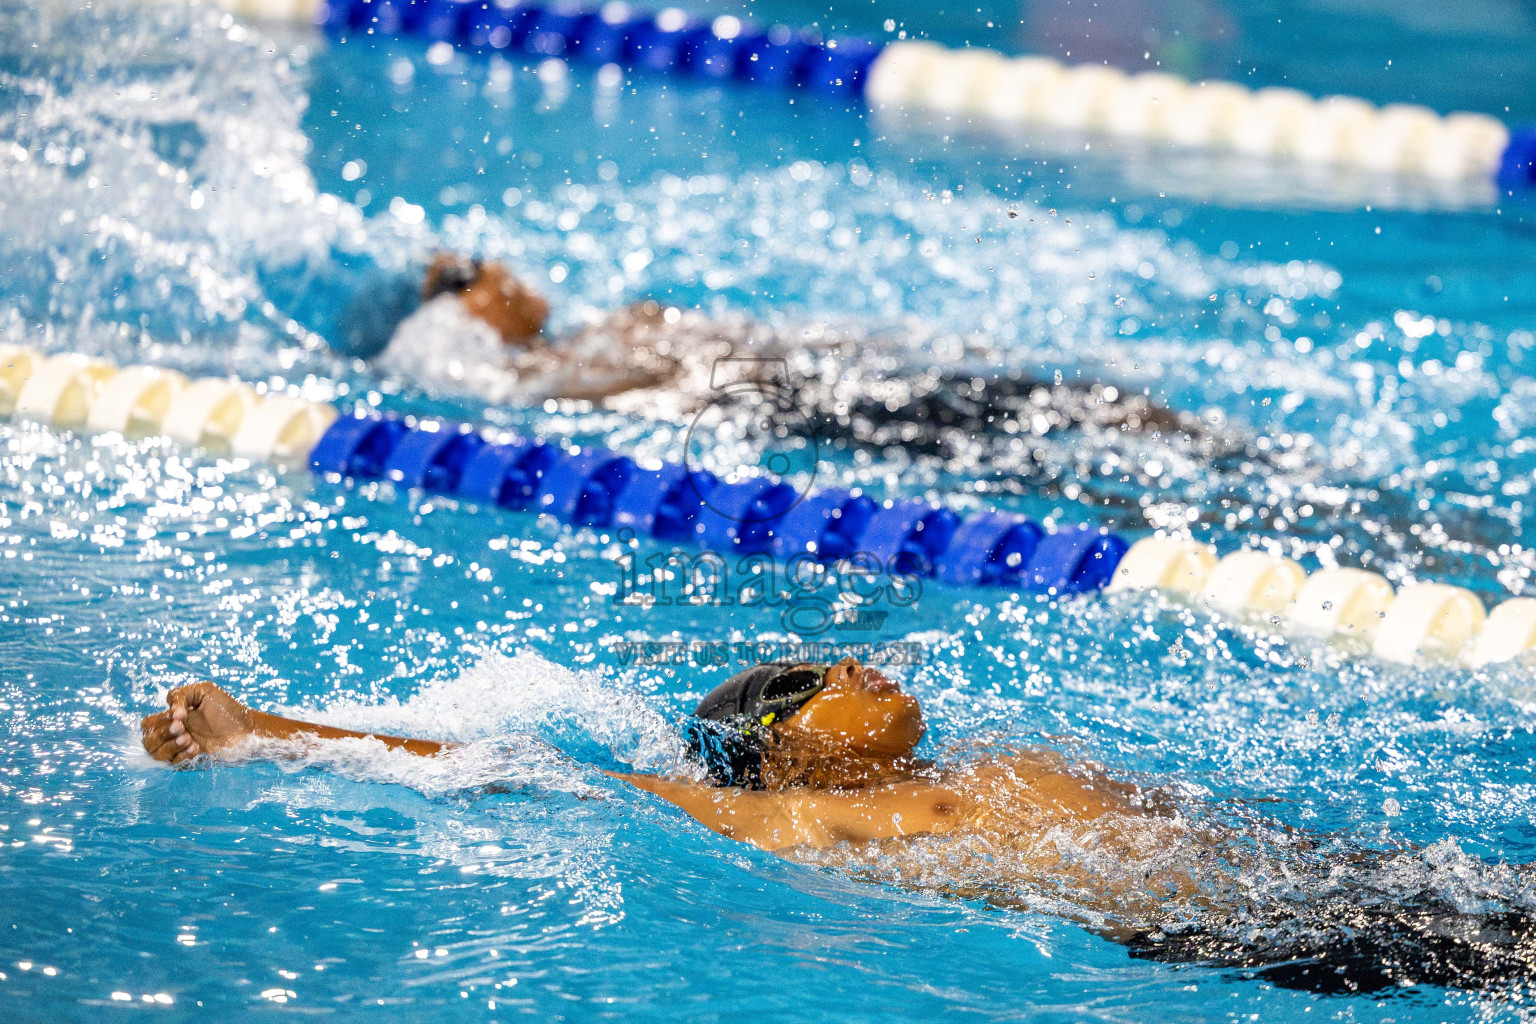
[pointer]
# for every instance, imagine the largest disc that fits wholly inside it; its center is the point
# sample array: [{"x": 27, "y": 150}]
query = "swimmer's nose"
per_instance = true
[{"x": 876, "y": 681}]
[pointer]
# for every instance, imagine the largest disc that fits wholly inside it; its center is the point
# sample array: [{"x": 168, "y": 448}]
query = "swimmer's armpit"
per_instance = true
[{"x": 203, "y": 719}]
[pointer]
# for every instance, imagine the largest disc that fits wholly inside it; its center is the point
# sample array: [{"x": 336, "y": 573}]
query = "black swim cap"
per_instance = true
[
  {"x": 729, "y": 730},
  {"x": 455, "y": 275},
  {"x": 763, "y": 693}
]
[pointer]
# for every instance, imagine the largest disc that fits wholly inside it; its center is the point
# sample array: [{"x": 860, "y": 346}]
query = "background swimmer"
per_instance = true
[
  {"x": 819, "y": 763},
  {"x": 480, "y": 328}
]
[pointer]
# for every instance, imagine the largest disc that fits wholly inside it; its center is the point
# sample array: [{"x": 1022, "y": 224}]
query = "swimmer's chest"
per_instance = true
[
  {"x": 1037, "y": 785},
  {"x": 885, "y": 812}
]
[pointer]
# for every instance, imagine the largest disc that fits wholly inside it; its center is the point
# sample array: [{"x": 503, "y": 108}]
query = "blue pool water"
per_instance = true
[{"x": 167, "y": 172}]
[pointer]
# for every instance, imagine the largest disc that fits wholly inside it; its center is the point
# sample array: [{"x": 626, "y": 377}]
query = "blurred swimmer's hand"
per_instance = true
[{"x": 200, "y": 718}]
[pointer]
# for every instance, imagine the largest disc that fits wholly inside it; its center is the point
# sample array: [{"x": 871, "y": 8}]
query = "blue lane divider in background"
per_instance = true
[
  {"x": 663, "y": 502},
  {"x": 599, "y": 37},
  {"x": 432, "y": 460},
  {"x": 1518, "y": 168},
  {"x": 673, "y": 42},
  {"x": 762, "y": 515},
  {"x": 744, "y": 517},
  {"x": 913, "y": 533},
  {"x": 581, "y": 489},
  {"x": 357, "y": 446},
  {"x": 827, "y": 524},
  {"x": 667, "y": 43},
  {"x": 1075, "y": 561}
]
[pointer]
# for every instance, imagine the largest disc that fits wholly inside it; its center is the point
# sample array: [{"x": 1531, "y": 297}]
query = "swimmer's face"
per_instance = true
[{"x": 858, "y": 708}]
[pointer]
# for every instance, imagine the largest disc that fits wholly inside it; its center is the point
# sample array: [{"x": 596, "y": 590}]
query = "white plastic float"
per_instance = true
[
  {"x": 1209, "y": 116},
  {"x": 1021, "y": 90},
  {"x": 208, "y": 412},
  {"x": 134, "y": 402},
  {"x": 74, "y": 391},
  {"x": 1164, "y": 563},
  {"x": 1083, "y": 99},
  {"x": 1509, "y": 633},
  {"x": 964, "y": 80},
  {"x": 1429, "y": 621},
  {"x": 1341, "y": 602},
  {"x": 897, "y": 77},
  {"x": 1270, "y": 121},
  {"x": 16, "y": 365},
  {"x": 302, "y": 11},
  {"x": 1432, "y": 620},
  {"x": 1154, "y": 106},
  {"x": 60, "y": 389},
  {"x": 282, "y": 428},
  {"x": 1147, "y": 106},
  {"x": 1334, "y": 132},
  {"x": 1253, "y": 582},
  {"x": 1474, "y": 142}
]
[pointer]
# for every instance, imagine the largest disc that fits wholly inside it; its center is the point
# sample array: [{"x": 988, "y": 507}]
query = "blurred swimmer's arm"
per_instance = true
[{"x": 203, "y": 719}]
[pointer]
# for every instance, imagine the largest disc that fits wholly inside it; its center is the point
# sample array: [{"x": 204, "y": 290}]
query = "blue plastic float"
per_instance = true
[{"x": 506, "y": 475}]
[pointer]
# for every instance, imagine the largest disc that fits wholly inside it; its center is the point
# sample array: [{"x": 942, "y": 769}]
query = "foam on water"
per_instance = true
[
  {"x": 503, "y": 694},
  {"x": 153, "y": 166}
]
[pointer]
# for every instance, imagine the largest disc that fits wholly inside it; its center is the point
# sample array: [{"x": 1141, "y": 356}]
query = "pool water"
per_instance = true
[{"x": 1368, "y": 342}]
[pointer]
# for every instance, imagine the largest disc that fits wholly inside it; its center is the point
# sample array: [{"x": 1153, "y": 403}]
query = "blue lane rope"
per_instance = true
[
  {"x": 761, "y": 515},
  {"x": 606, "y": 490},
  {"x": 1518, "y": 168},
  {"x": 618, "y": 34},
  {"x": 678, "y": 44}
]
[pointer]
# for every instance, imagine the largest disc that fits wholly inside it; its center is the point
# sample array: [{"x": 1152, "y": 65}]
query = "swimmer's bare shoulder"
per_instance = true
[
  {"x": 1041, "y": 780},
  {"x": 817, "y": 818}
]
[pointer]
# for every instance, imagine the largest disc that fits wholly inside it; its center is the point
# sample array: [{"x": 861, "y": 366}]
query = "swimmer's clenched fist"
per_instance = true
[{"x": 200, "y": 718}]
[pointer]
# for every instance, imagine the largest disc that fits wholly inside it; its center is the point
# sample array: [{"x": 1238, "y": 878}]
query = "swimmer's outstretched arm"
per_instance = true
[{"x": 203, "y": 719}]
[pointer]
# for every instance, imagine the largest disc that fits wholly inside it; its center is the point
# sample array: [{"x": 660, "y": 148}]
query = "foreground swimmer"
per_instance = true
[{"x": 806, "y": 760}]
